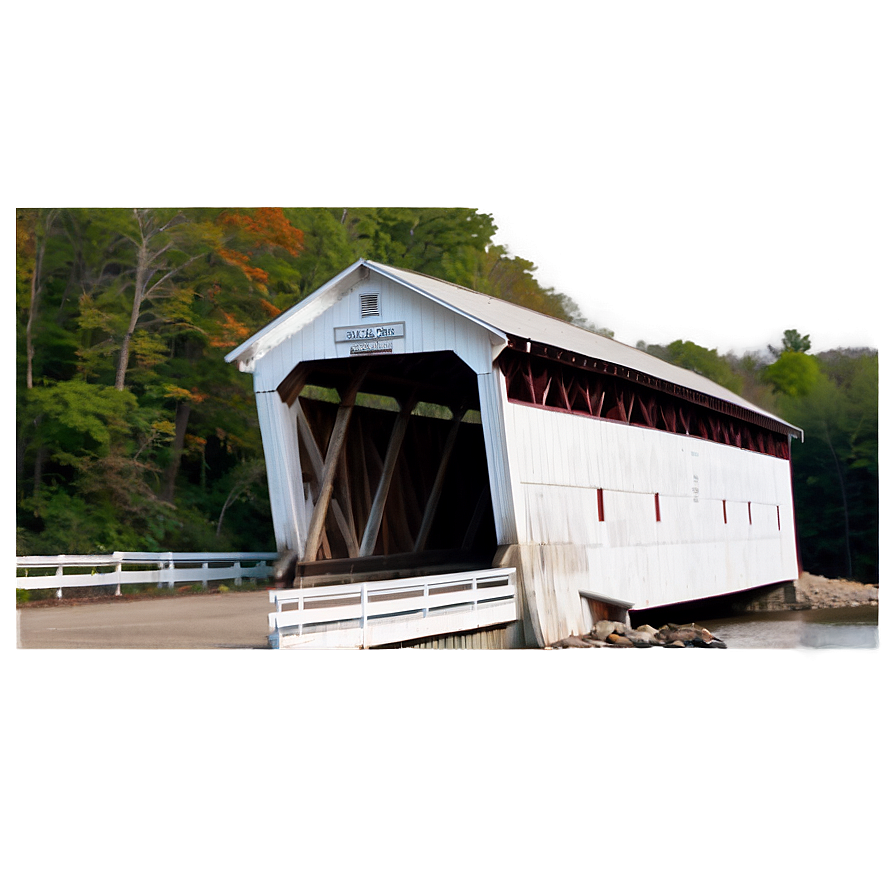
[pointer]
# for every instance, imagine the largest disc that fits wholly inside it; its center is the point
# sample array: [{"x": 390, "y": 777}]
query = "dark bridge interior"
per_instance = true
[{"x": 393, "y": 457}]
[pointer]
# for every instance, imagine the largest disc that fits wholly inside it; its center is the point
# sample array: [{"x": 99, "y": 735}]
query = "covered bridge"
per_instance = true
[{"x": 412, "y": 425}]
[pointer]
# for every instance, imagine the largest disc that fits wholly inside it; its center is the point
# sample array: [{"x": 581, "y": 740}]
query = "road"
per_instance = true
[{"x": 232, "y": 620}]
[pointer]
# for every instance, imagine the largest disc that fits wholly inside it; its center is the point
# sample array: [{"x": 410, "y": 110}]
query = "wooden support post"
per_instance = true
[
  {"x": 476, "y": 519},
  {"x": 344, "y": 523},
  {"x": 328, "y": 474},
  {"x": 430, "y": 513},
  {"x": 374, "y": 520}
]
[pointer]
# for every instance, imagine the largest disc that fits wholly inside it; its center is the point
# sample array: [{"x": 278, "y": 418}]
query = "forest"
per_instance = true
[{"x": 132, "y": 433}]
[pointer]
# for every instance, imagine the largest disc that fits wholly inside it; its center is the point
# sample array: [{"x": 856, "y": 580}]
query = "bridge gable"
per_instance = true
[{"x": 371, "y": 316}]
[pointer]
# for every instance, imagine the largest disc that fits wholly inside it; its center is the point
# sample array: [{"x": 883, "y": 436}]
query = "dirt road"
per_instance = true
[{"x": 237, "y": 619}]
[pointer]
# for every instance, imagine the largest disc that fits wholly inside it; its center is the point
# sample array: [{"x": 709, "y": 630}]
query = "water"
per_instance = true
[{"x": 850, "y": 627}]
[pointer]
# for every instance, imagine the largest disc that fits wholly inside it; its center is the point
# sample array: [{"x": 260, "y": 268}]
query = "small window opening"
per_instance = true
[
  {"x": 656, "y": 504},
  {"x": 370, "y": 304},
  {"x": 600, "y": 505}
]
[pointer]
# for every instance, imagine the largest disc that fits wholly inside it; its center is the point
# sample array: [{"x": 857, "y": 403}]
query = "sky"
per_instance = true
[{"x": 704, "y": 171}]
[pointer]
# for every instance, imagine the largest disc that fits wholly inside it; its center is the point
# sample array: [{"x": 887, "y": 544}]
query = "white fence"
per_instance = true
[
  {"x": 161, "y": 569},
  {"x": 366, "y": 614}
]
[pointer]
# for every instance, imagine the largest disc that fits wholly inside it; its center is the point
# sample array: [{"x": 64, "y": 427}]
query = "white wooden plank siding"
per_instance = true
[
  {"x": 562, "y": 459},
  {"x": 500, "y": 460},
  {"x": 428, "y": 328},
  {"x": 284, "y": 471}
]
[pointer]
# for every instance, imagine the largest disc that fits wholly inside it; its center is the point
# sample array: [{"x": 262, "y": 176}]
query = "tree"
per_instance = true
[
  {"x": 835, "y": 470},
  {"x": 792, "y": 341},
  {"x": 793, "y": 373},
  {"x": 704, "y": 361}
]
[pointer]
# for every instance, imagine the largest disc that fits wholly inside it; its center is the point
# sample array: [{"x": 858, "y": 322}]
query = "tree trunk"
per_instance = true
[
  {"x": 177, "y": 450},
  {"x": 837, "y": 467},
  {"x": 39, "y": 249},
  {"x": 39, "y": 468},
  {"x": 139, "y": 286},
  {"x": 32, "y": 314}
]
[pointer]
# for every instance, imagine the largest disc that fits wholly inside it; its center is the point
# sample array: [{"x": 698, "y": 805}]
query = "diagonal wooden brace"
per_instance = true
[
  {"x": 375, "y": 519},
  {"x": 436, "y": 493},
  {"x": 342, "y": 516},
  {"x": 328, "y": 474}
]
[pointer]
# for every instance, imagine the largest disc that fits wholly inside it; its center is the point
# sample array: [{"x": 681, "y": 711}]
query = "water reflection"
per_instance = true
[{"x": 844, "y": 627}]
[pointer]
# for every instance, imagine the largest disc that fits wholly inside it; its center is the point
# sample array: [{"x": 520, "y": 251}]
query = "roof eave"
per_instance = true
[
  {"x": 245, "y": 353},
  {"x": 501, "y": 334}
]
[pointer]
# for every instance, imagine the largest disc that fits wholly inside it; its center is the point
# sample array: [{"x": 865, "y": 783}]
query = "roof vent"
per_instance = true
[{"x": 370, "y": 304}]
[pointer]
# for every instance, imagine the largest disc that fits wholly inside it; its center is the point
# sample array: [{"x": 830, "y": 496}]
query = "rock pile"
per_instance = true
[{"x": 617, "y": 634}]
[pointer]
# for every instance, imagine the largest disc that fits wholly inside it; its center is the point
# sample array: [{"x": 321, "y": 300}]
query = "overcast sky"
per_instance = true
[
  {"x": 699, "y": 170},
  {"x": 712, "y": 176}
]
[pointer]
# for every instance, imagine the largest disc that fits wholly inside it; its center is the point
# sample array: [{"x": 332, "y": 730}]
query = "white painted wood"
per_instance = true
[
  {"x": 502, "y": 473},
  {"x": 562, "y": 459},
  {"x": 279, "y": 437},
  {"x": 394, "y": 632},
  {"x": 379, "y": 610},
  {"x": 171, "y": 569},
  {"x": 428, "y": 328}
]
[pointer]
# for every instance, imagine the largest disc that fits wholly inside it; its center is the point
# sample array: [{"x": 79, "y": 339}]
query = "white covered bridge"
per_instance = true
[{"x": 413, "y": 428}]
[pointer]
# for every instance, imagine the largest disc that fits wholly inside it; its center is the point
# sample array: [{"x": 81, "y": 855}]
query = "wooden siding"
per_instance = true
[
  {"x": 428, "y": 327},
  {"x": 281, "y": 456},
  {"x": 484, "y": 639},
  {"x": 493, "y": 405},
  {"x": 561, "y": 460}
]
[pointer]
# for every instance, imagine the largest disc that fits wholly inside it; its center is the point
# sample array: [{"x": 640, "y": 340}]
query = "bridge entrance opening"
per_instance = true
[{"x": 393, "y": 464}]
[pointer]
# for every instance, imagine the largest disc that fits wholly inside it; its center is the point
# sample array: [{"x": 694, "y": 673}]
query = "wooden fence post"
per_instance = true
[{"x": 364, "y": 614}]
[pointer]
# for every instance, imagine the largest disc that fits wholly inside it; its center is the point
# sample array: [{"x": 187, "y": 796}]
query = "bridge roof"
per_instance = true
[{"x": 506, "y": 320}]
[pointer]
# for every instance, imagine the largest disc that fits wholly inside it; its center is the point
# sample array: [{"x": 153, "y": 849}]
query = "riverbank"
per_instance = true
[{"x": 818, "y": 593}]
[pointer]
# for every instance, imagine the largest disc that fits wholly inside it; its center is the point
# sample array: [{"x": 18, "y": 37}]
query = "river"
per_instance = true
[{"x": 850, "y": 627}]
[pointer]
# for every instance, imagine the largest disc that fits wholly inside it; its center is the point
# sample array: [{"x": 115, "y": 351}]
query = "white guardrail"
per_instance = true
[
  {"x": 366, "y": 614},
  {"x": 162, "y": 569}
]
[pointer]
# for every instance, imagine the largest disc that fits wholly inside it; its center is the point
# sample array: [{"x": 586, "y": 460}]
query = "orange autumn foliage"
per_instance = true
[
  {"x": 233, "y": 332},
  {"x": 268, "y": 226},
  {"x": 238, "y": 259}
]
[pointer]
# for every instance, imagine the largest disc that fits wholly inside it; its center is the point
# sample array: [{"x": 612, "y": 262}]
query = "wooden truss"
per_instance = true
[
  {"x": 557, "y": 385},
  {"x": 386, "y": 483}
]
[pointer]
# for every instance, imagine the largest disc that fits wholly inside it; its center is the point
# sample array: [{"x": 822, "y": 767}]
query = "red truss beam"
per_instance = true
[
  {"x": 526, "y": 348},
  {"x": 550, "y": 378}
]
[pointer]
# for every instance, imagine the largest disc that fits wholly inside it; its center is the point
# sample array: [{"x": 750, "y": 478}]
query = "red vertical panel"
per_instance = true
[
  {"x": 600, "y": 505},
  {"x": 656, "y": 504},
  {"x": 750, "y": 511},
  {"x": 725, "y": 511}
]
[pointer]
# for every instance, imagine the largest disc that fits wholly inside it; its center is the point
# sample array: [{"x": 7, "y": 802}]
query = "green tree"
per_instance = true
[
  {"x": 792, "y": 341},
  {"x": 793, "y": 373},
  {"x": 705, "y": 361},
  {"x": 835, "y": 470}
]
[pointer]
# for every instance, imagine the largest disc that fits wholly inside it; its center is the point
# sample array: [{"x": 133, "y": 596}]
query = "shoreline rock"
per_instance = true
[{"x": 619, "y": 635}]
